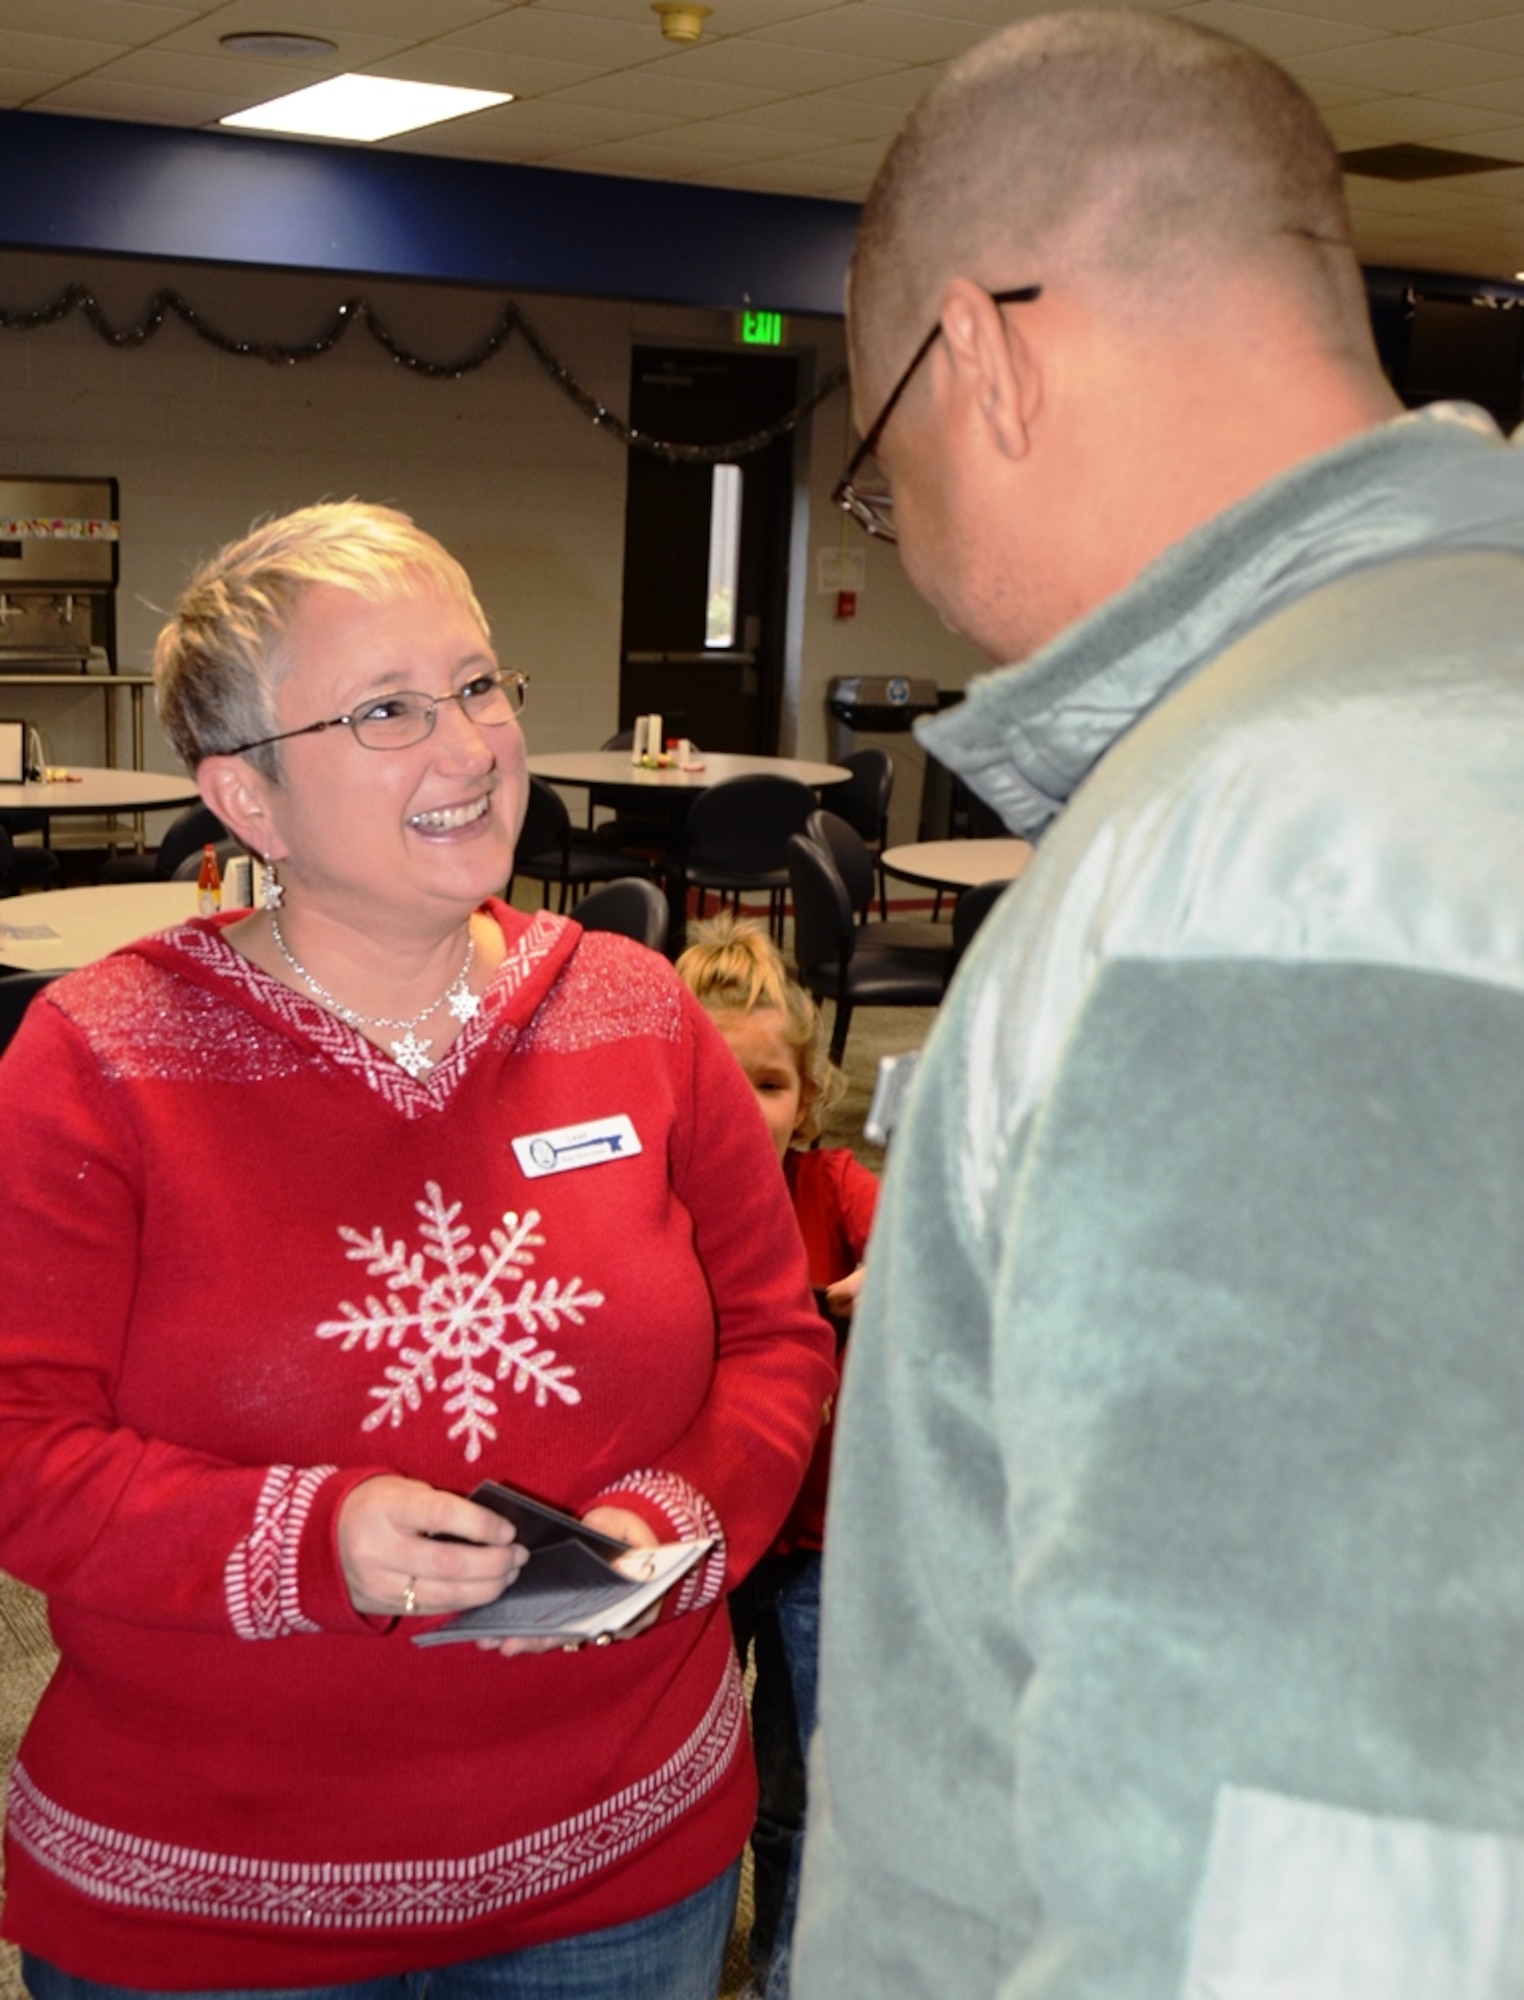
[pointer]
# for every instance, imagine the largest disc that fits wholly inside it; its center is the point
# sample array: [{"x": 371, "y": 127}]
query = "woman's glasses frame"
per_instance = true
[{"x": 480, "y": 693}]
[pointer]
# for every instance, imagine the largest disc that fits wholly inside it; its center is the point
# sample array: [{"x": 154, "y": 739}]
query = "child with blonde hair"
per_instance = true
[{"x": 774, "y": 1031}]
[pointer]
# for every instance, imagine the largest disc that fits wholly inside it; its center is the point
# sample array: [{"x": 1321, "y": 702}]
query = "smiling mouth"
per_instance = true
[{"x": 448, "y": 818}]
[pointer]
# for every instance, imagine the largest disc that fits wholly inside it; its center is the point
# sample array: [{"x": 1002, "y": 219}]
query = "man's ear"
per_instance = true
[
  {"x": 996, "y": 362},
  {"x": 242, "y": 798}
]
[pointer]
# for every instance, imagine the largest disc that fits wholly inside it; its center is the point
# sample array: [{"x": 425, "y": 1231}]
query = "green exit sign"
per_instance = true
[{"x": 762, "y": 329}]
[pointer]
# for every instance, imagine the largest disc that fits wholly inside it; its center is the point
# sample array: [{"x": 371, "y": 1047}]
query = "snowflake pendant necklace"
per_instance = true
[{"x": 411, "y": 1049}]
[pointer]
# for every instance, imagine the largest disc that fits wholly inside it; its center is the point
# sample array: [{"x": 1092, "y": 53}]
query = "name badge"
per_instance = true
[{"x": 573, "y": 1146}]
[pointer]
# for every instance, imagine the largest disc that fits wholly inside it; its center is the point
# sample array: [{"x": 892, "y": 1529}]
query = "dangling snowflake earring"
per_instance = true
[{"x": 271, "y": 894}]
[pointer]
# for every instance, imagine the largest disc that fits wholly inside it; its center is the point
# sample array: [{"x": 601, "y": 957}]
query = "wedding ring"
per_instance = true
[{"x": 410, "y": 1598}]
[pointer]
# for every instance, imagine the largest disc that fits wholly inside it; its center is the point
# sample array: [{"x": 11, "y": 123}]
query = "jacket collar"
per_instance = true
[{"x": 1028, "y": 734}]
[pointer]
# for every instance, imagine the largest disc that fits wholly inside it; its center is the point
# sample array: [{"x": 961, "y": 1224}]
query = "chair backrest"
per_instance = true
[
  {"x": 864, "y": 803},
  {"x": 631, "y": 905},
  {"x": 17, "y": 992},
  {"x": 546, "y": 833},
  {"x": 745, "y": 823},
  {"x": 824, "y": 932},
  {"x": 26, "y": 867},
  {"x": 850, "y": 852},
  {"x": 970, "y": 911},
  {"x": 186, "y": 835}
]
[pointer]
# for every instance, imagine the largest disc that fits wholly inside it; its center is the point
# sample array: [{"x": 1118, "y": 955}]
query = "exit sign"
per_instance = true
[{"x": 761, "y": 329}]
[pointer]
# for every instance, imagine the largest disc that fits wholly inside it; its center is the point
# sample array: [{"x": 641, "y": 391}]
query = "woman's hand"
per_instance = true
[
  {"x": 394, "y": 1562},
  {"x": 626, "y": 1527}
]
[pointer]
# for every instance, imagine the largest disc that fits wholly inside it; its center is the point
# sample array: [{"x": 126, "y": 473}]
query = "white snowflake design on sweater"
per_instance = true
[{"x": 477, "y": 1316}]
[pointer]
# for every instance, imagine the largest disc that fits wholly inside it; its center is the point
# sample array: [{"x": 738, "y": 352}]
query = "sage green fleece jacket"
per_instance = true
[{"x": 1174, "y": 1590}]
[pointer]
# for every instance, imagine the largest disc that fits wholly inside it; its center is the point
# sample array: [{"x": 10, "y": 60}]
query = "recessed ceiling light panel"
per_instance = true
[
  {"x": 363, "y": 107},
  {"x": 262, "y": 44}
]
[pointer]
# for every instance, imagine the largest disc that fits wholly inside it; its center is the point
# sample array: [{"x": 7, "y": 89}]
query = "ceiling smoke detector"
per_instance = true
[
  {"x": 259, "y": 43},
  {"x": 680, "y": 20}
]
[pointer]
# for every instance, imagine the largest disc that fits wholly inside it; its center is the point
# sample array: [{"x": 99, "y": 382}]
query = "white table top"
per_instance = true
[
  {"x": 78, "y": 926},
  {"x": 613, "y": 767},
  {"x": 99, "y": 789},
  {"x": 958, "y": 864}
]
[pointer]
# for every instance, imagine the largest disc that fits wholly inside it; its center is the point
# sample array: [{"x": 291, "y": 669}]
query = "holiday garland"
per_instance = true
[{"x": 360, "y": 312}]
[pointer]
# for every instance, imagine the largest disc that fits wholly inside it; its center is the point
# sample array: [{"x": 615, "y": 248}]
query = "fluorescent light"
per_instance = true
[{"x": 364, "y": 107}]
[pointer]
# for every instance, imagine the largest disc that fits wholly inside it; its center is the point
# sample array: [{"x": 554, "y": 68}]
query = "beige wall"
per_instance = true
[{"x": 499, "y": 464}]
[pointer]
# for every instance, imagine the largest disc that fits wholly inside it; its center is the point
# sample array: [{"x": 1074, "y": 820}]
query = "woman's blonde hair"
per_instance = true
[
  {"x": 732, "y": 967},
  {"x": 217, "y": 661}
]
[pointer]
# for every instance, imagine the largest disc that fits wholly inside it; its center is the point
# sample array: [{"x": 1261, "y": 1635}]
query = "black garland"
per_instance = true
[{"x": 352, "y": 312}]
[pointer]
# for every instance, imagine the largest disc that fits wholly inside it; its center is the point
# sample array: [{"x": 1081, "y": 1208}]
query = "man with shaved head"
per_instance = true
[{"x": 1174, "y": 1596}]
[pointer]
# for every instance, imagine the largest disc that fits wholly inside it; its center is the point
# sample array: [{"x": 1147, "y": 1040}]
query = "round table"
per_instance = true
[
  {"x": 603, "y": 769},
  {"x": 613, "y": 780},
  {"x": 958, "y": 864},
  {"x": 99, "y": 789},
  {"x": 63, "y": 928}
]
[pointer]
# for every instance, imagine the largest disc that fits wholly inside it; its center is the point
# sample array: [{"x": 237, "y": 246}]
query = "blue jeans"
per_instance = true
[
  {"x": 777, "y": 1611},
  {"x": 677, "y": 1954}
]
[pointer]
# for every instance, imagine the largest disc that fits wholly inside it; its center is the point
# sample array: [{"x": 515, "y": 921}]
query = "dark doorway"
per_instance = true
[{"x": 726, "y": 695}]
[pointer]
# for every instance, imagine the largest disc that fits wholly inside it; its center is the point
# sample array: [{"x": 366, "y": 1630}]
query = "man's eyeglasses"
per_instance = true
[
  {"x": 396, "y": 721},
  {"x": 875, "y": 511}
]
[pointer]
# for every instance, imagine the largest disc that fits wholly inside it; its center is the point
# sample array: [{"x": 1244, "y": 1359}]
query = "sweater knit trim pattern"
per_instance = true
[
  {"x": 159, "y": 1878},
  {"x": 122, "y": 1047},
  {"x": 264, "y": 1599},
  {"x": 692, "y": 1518}
]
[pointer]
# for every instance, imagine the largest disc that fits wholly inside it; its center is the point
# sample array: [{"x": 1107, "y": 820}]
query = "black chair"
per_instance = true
[
  {"x": 970, "y": 911},
  {"x": 841, "y": 961},
  {"x": 638, "y": 827},
  {"x": 551, "y": 850},
  {"x": 186, "y": 834},
  {"x": 856, "y": 866},
  {"x": 736, "y": 840},
  {"x": 26, "y": 867},
  {"x": 633, "y": 907},
  {"x": 863, "y": 803},
  {"x": 17, "y": 992}
]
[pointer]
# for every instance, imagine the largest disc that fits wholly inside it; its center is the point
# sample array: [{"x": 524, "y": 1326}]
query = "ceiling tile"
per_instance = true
[
  {"x": 234, "y": 81},
  {"x": 484, "y": 69},
  {"x": 1505, "y": 33},
  {"x": 897, "y": 90},
  {"x": 1400, "y": 17},
  {"x": 564, "y": 36},
  {"x": 807, "y": 175},
  {"x": 124, "y": 23},
  {"x": 93, "y": 97},
  {"x": 575, "y": 124},
  {"x": 1383, "y": 119},
  {"x": 883, "y": 33},
  {"x": 1274, "y": 32},
  {"x": 56, "y": 55},
  {"x": 1409, "y": 62},
  {"x": 1507, "y": 94},
  {"x": 766, "y": 66},
  {"x": 829, "y": 117},
  {"x": 693, "y": 97},
  {"x": 1334, "y": 96},
  {"x": 402, "y": 19}
]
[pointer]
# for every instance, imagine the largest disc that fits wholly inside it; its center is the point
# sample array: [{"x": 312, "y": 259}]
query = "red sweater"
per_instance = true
[
  {"x": 250, "y": 1262},
  {"x": 834, "y": 1199}
]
